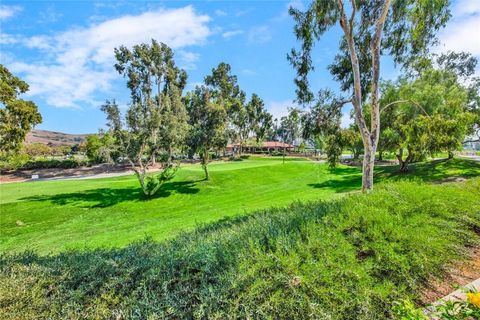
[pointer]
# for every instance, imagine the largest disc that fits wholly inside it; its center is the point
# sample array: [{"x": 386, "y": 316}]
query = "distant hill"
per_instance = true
[{"x": 54, "y": 138}]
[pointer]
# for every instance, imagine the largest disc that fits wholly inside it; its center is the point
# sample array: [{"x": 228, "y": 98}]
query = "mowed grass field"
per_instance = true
[{"x": 54, "y": 216}]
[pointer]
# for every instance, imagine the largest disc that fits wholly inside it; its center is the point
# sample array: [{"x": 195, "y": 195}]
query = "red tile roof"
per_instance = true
[{"x": 265, "y": 144}]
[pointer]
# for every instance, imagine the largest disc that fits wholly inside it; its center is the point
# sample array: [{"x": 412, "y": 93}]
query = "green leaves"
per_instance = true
[
  {"x": 410, "y": 29},
  {"x": 18, "y": 116},
  {"x": 431, "y": 116},
  {"x": 156, "y": 119}
]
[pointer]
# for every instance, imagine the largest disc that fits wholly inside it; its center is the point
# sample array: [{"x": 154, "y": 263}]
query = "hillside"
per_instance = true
[
  {"x": 54, "y": 138},
  {"x": 350, "y": 258}
]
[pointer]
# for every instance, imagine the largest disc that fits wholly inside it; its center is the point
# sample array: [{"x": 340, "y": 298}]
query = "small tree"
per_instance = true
[
  {"x": 353, "y": 141},
  {"x": 290, "y": 128},
  {"x": 18, "y": 116},
  {"x": 151, "y": 124},
  {"x": 226, "y": 91},
  {"x": 93, "y": 145},
  {"x": 259, "y": 120},
  {"x": 34, "y": 150},
  {"x": 431, "y": 115},
  {"x": 322, "y": 123},
  {"x": 208, "y": 119}
]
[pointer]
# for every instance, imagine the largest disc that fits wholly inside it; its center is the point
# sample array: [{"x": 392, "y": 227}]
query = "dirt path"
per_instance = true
[
  {"x": 96, "y": 171},
  {"x": 459, "y": 275}
]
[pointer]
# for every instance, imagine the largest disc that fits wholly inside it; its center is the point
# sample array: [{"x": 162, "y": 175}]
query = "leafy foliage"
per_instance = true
[
  {"x": 408, "y": 33},
  {"x": 425, "y": 116},
  {"x": 154, "y": 122},
  {"x": 244, "y": 118},
  {"x": 208, "y": 120},
  {"x": 18, "y": 116}
]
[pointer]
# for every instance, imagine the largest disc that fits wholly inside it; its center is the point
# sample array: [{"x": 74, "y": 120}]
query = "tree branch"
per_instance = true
[
  {"x": 403, "y": 101},
  {"x": 357, "y": 95},
  {"x": 352, "y": 16},
  {"x": 393, "y": 103},
  {"x": 375, "y": 47}
]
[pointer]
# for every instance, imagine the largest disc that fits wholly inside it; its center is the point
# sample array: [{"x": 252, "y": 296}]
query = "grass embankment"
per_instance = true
[
  {"x": 52, "y": 216},
  {"x": 344, "y": 259}
]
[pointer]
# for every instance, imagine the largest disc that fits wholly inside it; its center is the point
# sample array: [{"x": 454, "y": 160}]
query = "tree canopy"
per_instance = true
[
  {"x": 17, "y": 116},
  {"x": 207, "y": 119},
  {"x": 156, "y": 120}
]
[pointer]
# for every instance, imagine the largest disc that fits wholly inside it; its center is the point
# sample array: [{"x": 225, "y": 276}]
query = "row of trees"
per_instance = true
[
  {"x": 161, "y": 120},
  {"x": 424, "y": 113},
  {"x": 427, "y": 111}
]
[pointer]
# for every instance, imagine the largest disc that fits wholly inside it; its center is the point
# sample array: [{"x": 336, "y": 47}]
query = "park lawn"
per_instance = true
[{"x": 53, "y": 216}]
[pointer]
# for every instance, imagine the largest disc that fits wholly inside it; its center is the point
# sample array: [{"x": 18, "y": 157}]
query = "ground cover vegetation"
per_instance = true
[{"x": 350, "y": 258}]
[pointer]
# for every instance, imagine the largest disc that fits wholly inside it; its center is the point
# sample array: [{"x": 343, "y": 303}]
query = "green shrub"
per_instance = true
[
  {"x": 53, "y": 163},
  {"x": 345, "y": 259},
  {"x": 13, "y": 162},
  {"x": 278, "y": 153}
]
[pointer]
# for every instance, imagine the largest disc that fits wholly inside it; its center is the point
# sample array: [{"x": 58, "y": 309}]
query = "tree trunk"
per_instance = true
[
  {"x": 380, "y": 155},
  {"x": 369, "y": 137},
  {"x": 170, "y": 155},
  {"x": 205, "y": 163},
  {"x": 368, "y": 167},
  {"x": 404, "y": 163},
  {"x": 141, "y": 179},
  {"x": 450, "y": 154}
]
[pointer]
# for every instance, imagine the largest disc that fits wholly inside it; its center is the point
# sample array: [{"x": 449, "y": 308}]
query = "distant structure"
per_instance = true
[{"x": 264, "y": 147}]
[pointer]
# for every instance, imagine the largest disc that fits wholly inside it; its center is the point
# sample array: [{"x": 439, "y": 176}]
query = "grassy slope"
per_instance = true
[
  {"x": 52, "y": 216},
  {"x": 344, "y": 259}
]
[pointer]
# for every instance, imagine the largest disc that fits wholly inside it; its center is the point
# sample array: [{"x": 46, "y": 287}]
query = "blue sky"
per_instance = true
[{"x": 64, "y": 49}]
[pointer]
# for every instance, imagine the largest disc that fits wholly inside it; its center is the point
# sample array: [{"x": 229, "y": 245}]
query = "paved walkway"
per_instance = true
[
  {"x": 475, "y": 158},
  {"x": 457, "y": 295}
]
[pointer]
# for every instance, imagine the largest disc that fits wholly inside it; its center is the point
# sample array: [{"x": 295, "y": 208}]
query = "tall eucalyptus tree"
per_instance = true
[
  {"x": 156, "y": 119},
  {"x": 403, "y": 29}
]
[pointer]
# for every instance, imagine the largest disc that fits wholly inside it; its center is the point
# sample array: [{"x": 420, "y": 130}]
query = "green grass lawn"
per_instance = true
[
  {"x": 350, "y": 258},
  {"x": 53, "y": 216}
]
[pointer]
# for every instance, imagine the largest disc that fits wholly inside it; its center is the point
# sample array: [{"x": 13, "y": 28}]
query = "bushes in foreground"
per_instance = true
[
  {"x": 345, "y": 259},
  {"x": 21, "y": 162},
  {"x": 53, "y": 163}
]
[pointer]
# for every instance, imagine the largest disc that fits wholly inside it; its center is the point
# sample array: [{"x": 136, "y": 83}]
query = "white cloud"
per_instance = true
[
  {"x": 49, "y": 15},
  {"x": 248, "y": 72},
  {"x": 8, "y": 39},
  {"x": 220, "y": 13},
  {"x": 259, "y": 35},
  {"x": 77, "y": 63},
  {"x": 461, "y": 33},
  {"x": 279, "y": 109},
  {"x": 188, "y": 59},
  {"x": 8, "y": 11},
  {"x": 467, "y": 7},
  {"x": 229, "y": 34},
  {"x": 240, "y": 13}
]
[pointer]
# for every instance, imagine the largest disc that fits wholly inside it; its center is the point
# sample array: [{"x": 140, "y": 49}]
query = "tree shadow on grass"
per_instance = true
[
  {"x": 106, "y": 197},
  {"x": 349, "y": 178},
  {"x": 431, "y": 171}
]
